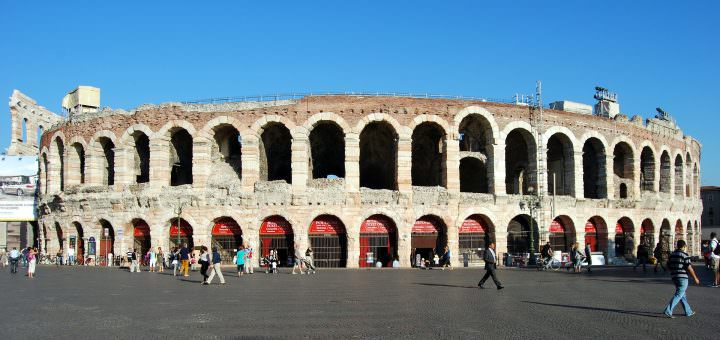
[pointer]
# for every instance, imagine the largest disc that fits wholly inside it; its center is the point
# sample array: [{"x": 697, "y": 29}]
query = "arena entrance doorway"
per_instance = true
[
  {"x": 107, "y": 238},
  {"x": 624, "y": 243},
  {"x": 427, "y": 239},
  {"x": 277, "y": 234},
  {"x": 226, "y": 237},
  {"x": 475, "y": 235},
  {"x": 181, "y": 235},
  {"x": 141, "y": 237},
  {"x": 328, "y": 241},
  {"x": 378, "y": 241}
]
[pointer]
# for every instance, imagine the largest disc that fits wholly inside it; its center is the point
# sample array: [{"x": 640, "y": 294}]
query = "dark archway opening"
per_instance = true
[
  {"x": 275, "y": 153},
  {"x": 107, "y": 165},
  {"x": 594, "y": 177},
  {"x": 623, "y": 168},
  {"x": 518, "y": 239},
  {"x": 428, "y": 238},
  {"x": 60, "y": 147},
  {"x": 378, "y": 241},
  {"x": 520, "y": 162},
  {"x": 429, "y": 155},
  {"x": 665, "y": 170},
  {"x": 678, "y": 176},
  {"x": 473, "y": 176},
  {"x": 378, "y": 156},
  {"x": 647, "y": 169},
  {"x": 181, "y": 158},
  {"x": 228, "y": 148},
  {"x": 327, "y": 150},
  {"x": 560, "y": 165},
  {"x": 79, "y": 161},
  {"x": 141, "y": 157}
]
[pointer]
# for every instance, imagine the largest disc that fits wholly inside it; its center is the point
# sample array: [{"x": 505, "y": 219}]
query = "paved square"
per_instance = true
[{"x": 87, "y": 302}]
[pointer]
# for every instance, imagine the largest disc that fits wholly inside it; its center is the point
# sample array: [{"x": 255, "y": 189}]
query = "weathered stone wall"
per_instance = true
[{"x": 246, "y": 199}]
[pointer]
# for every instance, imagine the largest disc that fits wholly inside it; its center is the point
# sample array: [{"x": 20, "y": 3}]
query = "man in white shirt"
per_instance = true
[
  {"x": 14, "y": 259},
  {"x": 715, "y": 258},
  {"x": 71, "y": 256},
  {"x": 490, "y": 266}
]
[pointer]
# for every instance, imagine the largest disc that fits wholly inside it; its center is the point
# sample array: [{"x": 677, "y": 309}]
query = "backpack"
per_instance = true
[{"x": 716, "y": 250}]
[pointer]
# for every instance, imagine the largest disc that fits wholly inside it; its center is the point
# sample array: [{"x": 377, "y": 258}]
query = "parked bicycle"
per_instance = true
[{"x": 551, "y": 263}]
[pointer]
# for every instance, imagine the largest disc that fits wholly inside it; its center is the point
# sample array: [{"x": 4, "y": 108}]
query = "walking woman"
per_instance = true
[
  {"x": 161, "y": 260},
  {"x": 240, "y": 260},
  {"x": 577, "y": 257},
  {"x": 152, "y": 259},
  {"x": 32, "y": 259},
  {"x": 204, "y": 264},
  {"x": 660, "y": 259}
]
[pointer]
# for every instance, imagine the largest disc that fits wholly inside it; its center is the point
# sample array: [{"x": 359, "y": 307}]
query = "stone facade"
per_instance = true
[{"x": 404, "y": 158}]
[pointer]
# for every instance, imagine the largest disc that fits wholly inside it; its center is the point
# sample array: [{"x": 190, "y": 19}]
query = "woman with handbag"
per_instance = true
[{"x": 204, "y": 264}]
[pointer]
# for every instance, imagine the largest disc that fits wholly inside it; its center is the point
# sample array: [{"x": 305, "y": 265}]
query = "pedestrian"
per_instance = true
[
  {"x": 249, "y": 259},
  {"x": 32, "y": 260},
  {"x": 680, "y": 265},
  {"x": 715, "y": 258},
  {"x": 298, "y": 260},
  {"x": 174, "y": 255},
  {"x": 3, "y": 258},
  {"x": 134, "y": 261},
  {"x": 184, "y": 254},
  {"x": 152, "y": 260},
  {"x": 588, "y": 256},
  {"x": 309, "y": 261},
  {"x": 59, "y": 255},
  {"x": 490, "y": 266},
  {"x": 216, "y": 267},
  {"x": 577, "y": 257},
  {"x": 204, "y": 260},
  {"x": 14, "y": 259},
  {"x": 240, "y": 260},
  {"x": 273, "y": 259},
  {"x": 71, "y": 256},
  {"x": 642, "y": 256},
  {"x": 161, "y": 260},
  {"x": 706, "y": 253},
  {"x": 659, "y": 255},
  {"x": 446, "y": 258}
]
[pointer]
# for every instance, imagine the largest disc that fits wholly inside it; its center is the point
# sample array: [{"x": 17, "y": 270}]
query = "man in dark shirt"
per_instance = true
[
  {"x": 490, "y": 266},
  {"x": 680, "y": 265},
  {"x": 184, "y": 260}
]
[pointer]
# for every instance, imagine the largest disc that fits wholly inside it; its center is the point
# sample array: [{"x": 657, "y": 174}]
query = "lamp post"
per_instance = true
[
  {"x": 532, "y": 202},
  {"x": 178, "y": 212}
]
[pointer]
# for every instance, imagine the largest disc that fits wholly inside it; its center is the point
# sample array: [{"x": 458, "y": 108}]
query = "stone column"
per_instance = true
[
  {"x": 609, "y": 178},
  {"x": 202, "y": 162},
  {"x": 160, "y": 162},
  {"x": 405, "y": 247},
  {"x": 498, "y": 183},
  {"x": 353, "y": 245},
  {"x": 124, "y": 166},
  {"x": 352, "y": 162},
  {"x": 404, "y": 164},
  {"x": 453, "y": 165},
  {"x": 579, "y": 173},
  {"x": 250, "y": 162},
  {"x": 300, "y": 157}
]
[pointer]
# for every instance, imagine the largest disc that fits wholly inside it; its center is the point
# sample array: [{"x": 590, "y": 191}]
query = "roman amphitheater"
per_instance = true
[{"x": 365, "y": 179}]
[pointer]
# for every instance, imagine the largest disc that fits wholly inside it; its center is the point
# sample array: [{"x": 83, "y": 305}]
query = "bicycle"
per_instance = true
[{"x": 545, "y": 264}]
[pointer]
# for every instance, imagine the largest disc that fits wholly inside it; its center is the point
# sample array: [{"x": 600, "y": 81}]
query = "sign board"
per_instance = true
[
  {"x": 377, "y": 225},
  {"x": 226, "y": 227},
  {"x": 424, "y": 226},
  {"x": 106, "y": 232},
  {"x": 471, "y": 225},
  {"x": 91, "y": 246},
  {"x": 590, "y": 228},
  {"x": 327, "y": 225},
  {"x": 557, "y": 227},
  {"x": 18, "y": 188},
  {"x": 276, "y": 225}
]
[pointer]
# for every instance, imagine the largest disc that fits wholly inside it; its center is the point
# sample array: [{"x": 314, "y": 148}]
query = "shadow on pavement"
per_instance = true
[
  {"x": 629, "y": 312},
  {"x": 445, "y": 285}
]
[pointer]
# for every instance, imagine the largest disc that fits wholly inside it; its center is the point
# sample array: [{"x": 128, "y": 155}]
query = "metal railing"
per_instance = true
[{"x": 298, "y": 96}]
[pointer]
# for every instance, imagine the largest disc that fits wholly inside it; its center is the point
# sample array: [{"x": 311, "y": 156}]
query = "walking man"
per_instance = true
[
  {"x": 216, "y": 267},
  {"x": 14, "y": 259},
  {"x": 680, "y": 265},
  {"x": 184, "y": 260},
  {"x": 490, "y": 266},
  {"x": 715, "y": 258}
]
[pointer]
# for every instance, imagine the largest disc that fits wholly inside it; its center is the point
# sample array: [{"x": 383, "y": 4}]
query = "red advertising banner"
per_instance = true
[
  {"x": 590, "y": 228},
  {"x": 276, "y": 225},
  {"x": 471, "y": 225},
  {"x": 141, "y": 229},
  {"x": 424, "y": 226},
  {"x": 226, "y": 227},
  {"x": 556, "y": 227},
  {"x": 618, "y": 228},
  {"x": 185, "y": 228},
  {"x": 327, "y": 225},
  {"x": 377, "y": 225}
]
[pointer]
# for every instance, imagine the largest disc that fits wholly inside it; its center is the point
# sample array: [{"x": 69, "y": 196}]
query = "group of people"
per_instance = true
[
  {"x": 660, "y": 256},
  {"x": 577, "y": 257},
  {"x": 14, "y": 257},
  {"x": 441, "y": 261}
]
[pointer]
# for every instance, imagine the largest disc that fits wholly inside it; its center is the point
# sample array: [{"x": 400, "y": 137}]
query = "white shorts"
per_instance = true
[
  {"x": 153, "y": 263},
  {"x": 31, "y": 267}
]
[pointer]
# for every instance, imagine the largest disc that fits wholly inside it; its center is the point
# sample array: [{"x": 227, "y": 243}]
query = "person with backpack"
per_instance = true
[
  {"x": 715, "y": 258},
  {"x": 642, "y": 256},
  {"x": 680, "y": 266},
  {"x": 204, "y": 260},
  {"x": 659, "y": 257},
  {"x": 215, "y": 267},
  {"x": 14, "y": 259}
]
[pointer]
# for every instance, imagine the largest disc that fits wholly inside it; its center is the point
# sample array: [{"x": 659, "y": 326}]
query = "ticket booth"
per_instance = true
[
  {"x": 277, "y": 234},
  {"x": 328, "y": 241},
  {"x": 378, "y": 241}
]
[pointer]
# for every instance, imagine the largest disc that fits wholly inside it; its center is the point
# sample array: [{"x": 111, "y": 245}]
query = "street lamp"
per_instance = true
[
  {"x": 178, "y": 211},
  {"x": 532, "y": 202}
]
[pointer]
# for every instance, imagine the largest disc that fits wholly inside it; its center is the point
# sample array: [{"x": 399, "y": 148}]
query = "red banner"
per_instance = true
[
  {"x": 557, "y": 227},
  {"x": 327, "y": 225},
  {"x": 226, "y": 226},
  {"x": 618, "y": 228},
  {"x": 590, "y": 228},
  {"x": 471, "y": 225},
  {"x": 185, "y": 228},
  {"x": 377, "y": 225},
  {"x": 141, "y": 229},
  {"x": 276, "y": 225},
  {"x": 424, "y": 226}
]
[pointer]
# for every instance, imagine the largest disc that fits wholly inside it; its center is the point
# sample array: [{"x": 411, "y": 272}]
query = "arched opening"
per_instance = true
[
  {"x": 227, "y": 151},
  {"x": 44, "y": 165},
  {"x": 141, "y": 236},
  {"x": 378, "y": 156},
  {"x": 594, "y": 174},
  {"x": 276, "y": 234},
  {"x": 428, "y": 237},
  {"x": 678, "y": 176},
  {"x": 623, "y": 190},
  {"x": 519, "y": 237},
  {"x": 107, "y": 238},
  {"x": 475, "y": 234},
  {"x": 38, "y": 134},
  {"x": 679, "y": 232},
  {"x": 624, "y": 242},
  {"x": 181, "y": 158},
  {"x": 141, "y": 157},
  {"x": 23, "y": 137},
  {"x": 596, "y": 234},
  {"x": 475, "y": 138},
  {"x": 665, "y": 237},
  {"x": 561, "y": 234},
  {"x": 647, "y": 169},
  {"x": 623, "y": 169},
  {"x": 60, "y": 149},
  {"x": 107, "y": 161},
  {"x": 60, "y": 237},
  {"x": 520, "y": 162},
  {"x": 327, "y": 151},
  {"x": 696, "y": 180},
  {"x": 473, "y": 175},
  {"x": 378, "y": 241},
  {"x": 328, "y": 241},
  {"x": 665, "y": 172},
  {"x": 690, "y": 238},
  {"x": 78, "y": 243},
  {"x": 227, "y": 236},
  {"x": 560, "y": 165},
  {"x": 182, "y": 234},
  {"x": 647, "y": 233},
  {"x": 688, "y": 175},
  {"x": 275, "y": 153},
  {"x": 77, "y": 164},
  {"x": 429, "y": 154}
]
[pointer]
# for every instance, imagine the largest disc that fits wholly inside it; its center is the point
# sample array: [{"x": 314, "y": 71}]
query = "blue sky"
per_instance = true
[{"x": 653, "y": 53}]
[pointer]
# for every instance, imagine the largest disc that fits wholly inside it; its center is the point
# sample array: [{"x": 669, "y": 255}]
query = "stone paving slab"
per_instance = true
[{"x": 87, "y": 302}]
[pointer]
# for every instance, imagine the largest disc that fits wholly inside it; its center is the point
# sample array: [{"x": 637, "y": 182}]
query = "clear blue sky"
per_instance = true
[{"x": 653, "y": 53}]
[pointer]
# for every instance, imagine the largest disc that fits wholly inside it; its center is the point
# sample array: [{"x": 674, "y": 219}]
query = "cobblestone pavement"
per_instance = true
[{"x": 84, "y": 302}]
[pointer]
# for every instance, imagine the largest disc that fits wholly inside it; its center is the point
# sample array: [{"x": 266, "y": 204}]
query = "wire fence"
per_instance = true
[{"x": 518, "y": 99}]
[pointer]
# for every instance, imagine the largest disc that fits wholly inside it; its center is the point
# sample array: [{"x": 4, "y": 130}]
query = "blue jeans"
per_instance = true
[{"x": 680, "y": 288}]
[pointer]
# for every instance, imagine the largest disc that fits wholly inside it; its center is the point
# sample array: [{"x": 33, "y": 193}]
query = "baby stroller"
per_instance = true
[
  {"x": 270, "y": 262},
  {"x": 309, "y": 265}
]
